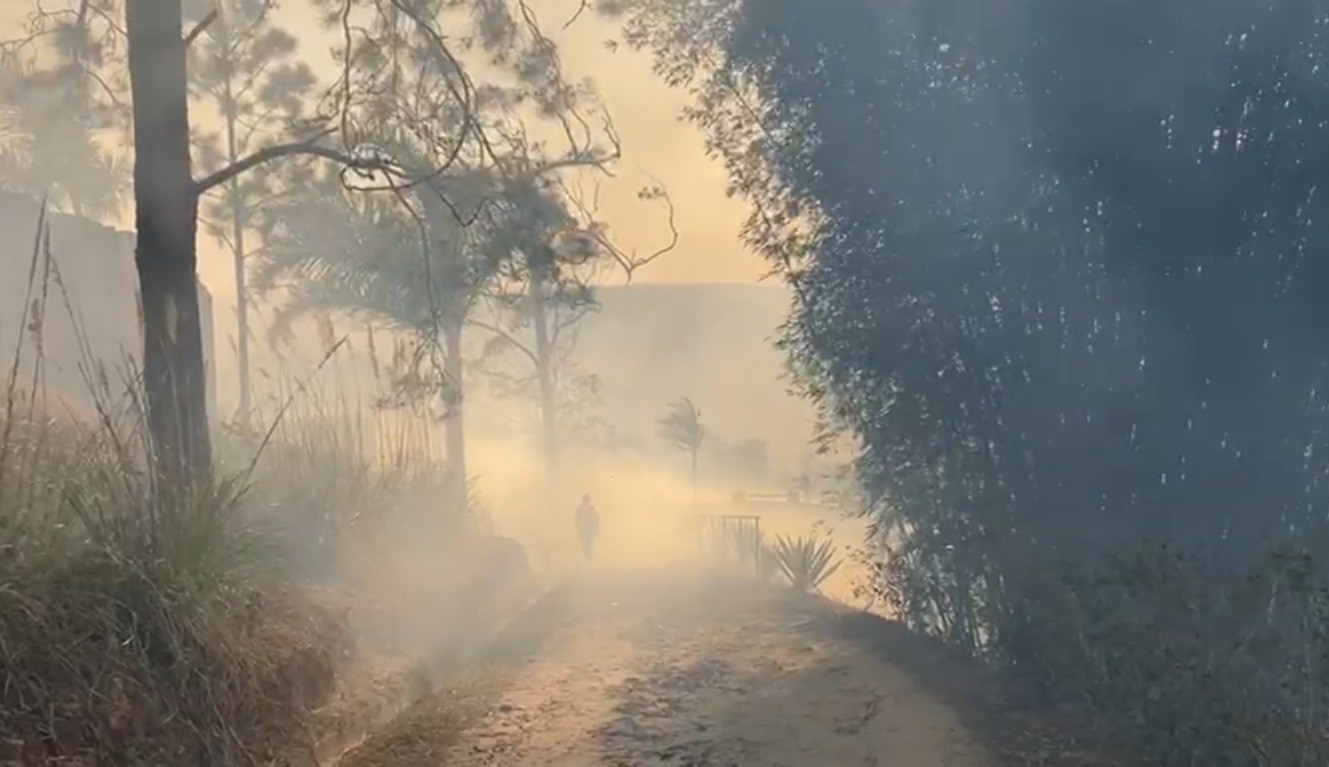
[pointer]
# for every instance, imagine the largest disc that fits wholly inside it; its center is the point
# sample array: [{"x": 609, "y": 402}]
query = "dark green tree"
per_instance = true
[{"x": 1058, "y": 268}]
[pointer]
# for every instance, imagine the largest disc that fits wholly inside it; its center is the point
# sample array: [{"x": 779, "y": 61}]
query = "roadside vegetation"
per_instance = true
[
  {"x": 176, "y": 593},
  {"x": 142, "y": 625}
]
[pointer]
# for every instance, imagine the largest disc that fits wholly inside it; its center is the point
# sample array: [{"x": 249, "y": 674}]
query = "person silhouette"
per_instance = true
[{"x": 588, "y": 526}]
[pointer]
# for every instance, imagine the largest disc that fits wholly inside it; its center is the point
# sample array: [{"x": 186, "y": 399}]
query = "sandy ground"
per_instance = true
[{"x": 635, "y": 669}]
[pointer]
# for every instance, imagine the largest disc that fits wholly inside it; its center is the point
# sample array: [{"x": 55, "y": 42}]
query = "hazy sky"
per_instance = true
[
  {"x": 647, "y": 115},
  {"x": 654, "y": 139}
]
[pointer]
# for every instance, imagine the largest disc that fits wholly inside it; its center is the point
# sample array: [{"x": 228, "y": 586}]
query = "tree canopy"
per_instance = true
[{"x": 1058, "y": 267}]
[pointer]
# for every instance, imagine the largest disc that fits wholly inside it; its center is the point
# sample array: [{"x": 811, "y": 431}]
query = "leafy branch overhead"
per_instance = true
[{"x": 395, "y": 66}]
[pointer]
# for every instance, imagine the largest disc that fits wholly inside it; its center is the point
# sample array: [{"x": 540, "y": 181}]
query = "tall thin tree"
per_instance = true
[
  {"x": 397, "y": 261},
  {"x": 245, "y": 68},
  {"x": 167, "y": 196},
  {"x": 166, "y": 219},
  {"x": 60, "y": 117}
]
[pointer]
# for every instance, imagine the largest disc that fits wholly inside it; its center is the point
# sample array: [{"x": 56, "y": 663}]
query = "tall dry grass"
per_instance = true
[
  {"x": 136, "y": 626},
  {"x": 139, "y": 627}
]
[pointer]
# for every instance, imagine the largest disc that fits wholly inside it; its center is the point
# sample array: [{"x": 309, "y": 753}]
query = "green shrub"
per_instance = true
[
  {"x": 1192, "y": 661},
  {"x": 1182, "y": 656}
]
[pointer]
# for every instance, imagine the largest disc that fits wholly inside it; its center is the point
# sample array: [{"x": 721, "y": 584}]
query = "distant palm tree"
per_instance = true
[{"x": 681, "y": 427}]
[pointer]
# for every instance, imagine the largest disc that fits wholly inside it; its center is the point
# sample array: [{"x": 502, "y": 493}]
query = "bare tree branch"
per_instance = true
[
  {"x": 200, "y": 27},
  {"x": 309, "y": 147},
  {"x": 582, "y": 7},
  {"x": 506, "y": 336},
  {"x": 628, "y": 261}
]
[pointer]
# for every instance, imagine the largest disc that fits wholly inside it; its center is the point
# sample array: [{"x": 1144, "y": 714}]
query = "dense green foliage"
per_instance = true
[{"x": 1056, "y": 269}]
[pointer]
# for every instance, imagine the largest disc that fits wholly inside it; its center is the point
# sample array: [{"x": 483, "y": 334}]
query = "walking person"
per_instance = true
[{"x": 588, "y": 526}]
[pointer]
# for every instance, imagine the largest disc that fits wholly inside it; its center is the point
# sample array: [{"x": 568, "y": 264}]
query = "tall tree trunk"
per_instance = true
[
  {"x": 241, "y": 309},
  {"x": 238, "y": 222},
  {"x": 544, "y": 365},
  {"x": 166, "y": 222},
  {"x": 694, "y": 452},
  {"x": 455, "y": 425}
]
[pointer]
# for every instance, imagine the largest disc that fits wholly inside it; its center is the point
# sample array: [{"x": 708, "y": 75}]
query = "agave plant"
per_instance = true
[{"x": 806, "y": 561}]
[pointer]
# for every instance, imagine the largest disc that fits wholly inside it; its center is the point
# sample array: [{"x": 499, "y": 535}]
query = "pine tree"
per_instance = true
[
  {"x": 61, "y": 113},
  {"x": 245, "y": 68}
]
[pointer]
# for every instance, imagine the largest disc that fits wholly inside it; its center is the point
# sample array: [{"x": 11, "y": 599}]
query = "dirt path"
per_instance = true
[{"x": 638, "y": 671}]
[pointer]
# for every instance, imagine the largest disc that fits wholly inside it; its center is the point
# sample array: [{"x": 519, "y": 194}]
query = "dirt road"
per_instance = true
[{"x": 622, "y": 670}]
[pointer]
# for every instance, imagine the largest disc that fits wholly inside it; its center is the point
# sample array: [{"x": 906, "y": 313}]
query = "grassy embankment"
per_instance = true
[{"x": 141, "y": 627}]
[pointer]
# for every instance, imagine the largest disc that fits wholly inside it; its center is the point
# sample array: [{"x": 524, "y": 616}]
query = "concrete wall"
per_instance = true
[{"x": 96, "y": 267}]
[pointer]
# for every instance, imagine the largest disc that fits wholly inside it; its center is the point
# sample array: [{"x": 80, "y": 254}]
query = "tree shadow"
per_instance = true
[
  {"x": 881, "y": 695},
  {"x": 1010, "y": 719}
]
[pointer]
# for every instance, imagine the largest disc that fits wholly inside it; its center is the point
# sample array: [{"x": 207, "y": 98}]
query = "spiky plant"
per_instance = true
[{"x": 806, "y": 561}]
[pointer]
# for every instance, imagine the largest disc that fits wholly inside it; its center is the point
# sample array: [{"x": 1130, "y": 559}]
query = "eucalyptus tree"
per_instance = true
[
  {"x": 545, "y": 250},
  {"x": 539, "y": 296},
  {"x": 558, "y": 248},
  {"x": 338, "y": 251},
  {"x": 506, "y": 172}
]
